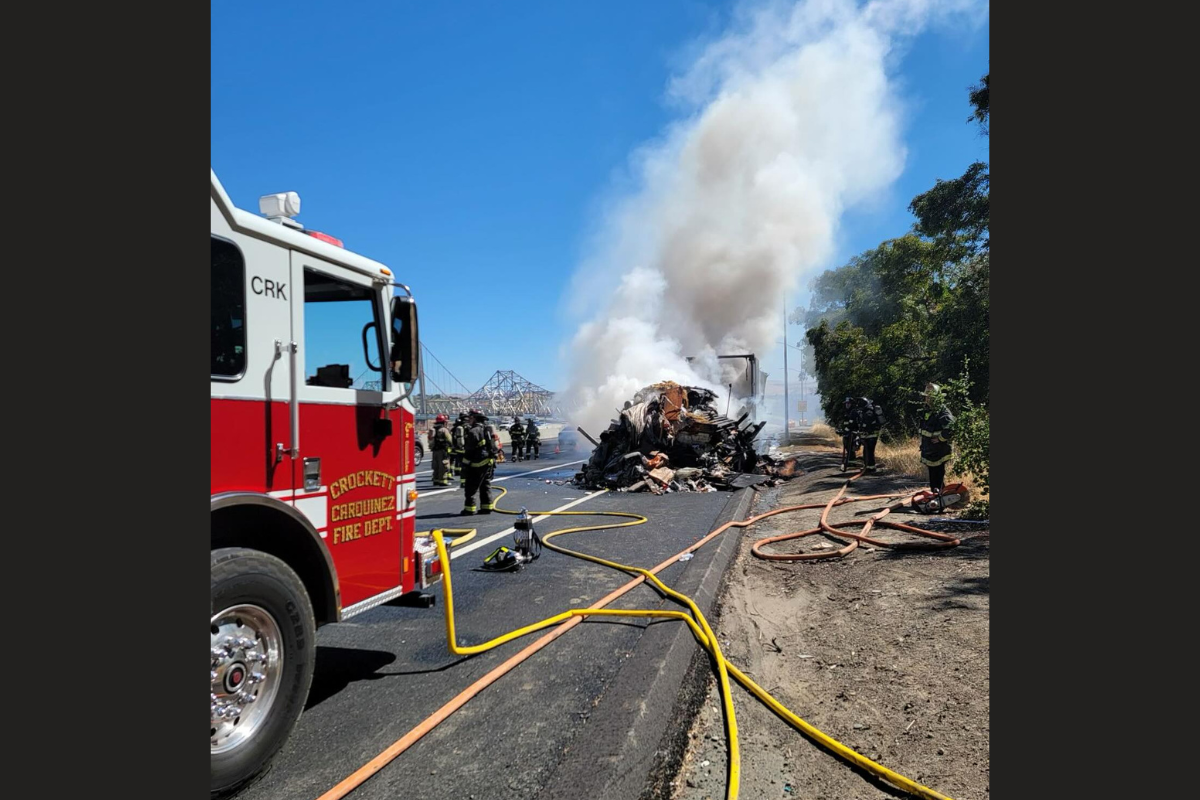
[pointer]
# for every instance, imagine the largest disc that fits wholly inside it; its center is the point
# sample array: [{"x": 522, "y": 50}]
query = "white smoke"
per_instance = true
[{"x": 790, "y": 119}]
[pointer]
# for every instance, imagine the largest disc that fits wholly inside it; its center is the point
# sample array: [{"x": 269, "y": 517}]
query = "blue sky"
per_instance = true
[{"x": 467, "y": 145}]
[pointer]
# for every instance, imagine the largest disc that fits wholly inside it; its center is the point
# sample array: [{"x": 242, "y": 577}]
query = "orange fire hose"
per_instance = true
[
  {"x": 406, "y": 741},
  {"x": 824, "y": 527},
  {"x": 359, "y": 776}
]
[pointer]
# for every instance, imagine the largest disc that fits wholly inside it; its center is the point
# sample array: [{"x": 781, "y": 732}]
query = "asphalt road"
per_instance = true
[{"x": 384, "y": 671}]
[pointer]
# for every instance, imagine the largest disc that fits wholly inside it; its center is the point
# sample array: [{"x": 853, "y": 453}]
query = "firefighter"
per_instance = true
[
  {"x": 870, "y": 421},
  {"x": 441, "y": 443},
  {"x": 935, "y": 436},
  {"x": 495, "y": 432},
  {"x": 456, "y": 450},
  {"x": 479, "y": 462},
  {"x": 533, "y": 438},
  {"x": 516, "y": 432},
  {"x": 848, "y": 429}
]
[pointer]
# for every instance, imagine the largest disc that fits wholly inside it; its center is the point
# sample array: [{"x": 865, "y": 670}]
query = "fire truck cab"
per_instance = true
[{"x": 312, "y": 467}]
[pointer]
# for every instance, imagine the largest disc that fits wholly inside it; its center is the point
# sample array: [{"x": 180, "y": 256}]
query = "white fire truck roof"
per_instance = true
[{"x": 263, "y": 228}]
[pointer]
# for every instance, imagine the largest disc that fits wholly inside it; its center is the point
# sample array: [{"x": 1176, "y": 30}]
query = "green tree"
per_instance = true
[
  {"x": 956, "y": 214},
  {"x": 971, "y": 435},
  {"x": 979, "y": 101},
  {"x": 960, "y": 333},
  {"x": 915, "y": 308}
]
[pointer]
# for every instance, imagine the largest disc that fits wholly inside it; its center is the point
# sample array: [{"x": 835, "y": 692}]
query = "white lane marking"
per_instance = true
[
  {"x": 488, "y": 540},
  {"x": 505, "y": 478}
]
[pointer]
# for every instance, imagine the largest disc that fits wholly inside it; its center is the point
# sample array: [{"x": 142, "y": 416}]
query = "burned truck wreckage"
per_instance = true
[{"x": 670, "y": 438}]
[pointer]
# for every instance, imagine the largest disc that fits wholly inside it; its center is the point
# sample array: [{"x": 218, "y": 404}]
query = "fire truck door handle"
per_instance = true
[{"x": 293, "y": 349}]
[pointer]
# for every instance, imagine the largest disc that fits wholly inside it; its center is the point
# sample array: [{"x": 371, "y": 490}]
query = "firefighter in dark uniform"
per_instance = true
[
  {"x": 516, "y": 432},
  {"x": 533, "y": 438},
  {"x": 479, "y": 461},
  {"x": 848, "y": 429},
  {"x": 441, "y": 443},
  {"x": 870, "y": 423},
  {"x": 458, "y": 443},
  {"x": 935, "y": 436}
]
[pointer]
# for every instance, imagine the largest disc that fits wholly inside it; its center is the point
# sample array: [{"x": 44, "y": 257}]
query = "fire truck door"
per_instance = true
[{"x": 349, "y": 449}]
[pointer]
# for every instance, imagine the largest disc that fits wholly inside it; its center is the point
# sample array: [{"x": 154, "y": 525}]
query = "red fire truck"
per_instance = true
[{"x": 313, "y": 484}]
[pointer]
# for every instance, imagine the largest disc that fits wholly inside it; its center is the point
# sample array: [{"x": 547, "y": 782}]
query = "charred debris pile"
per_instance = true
[{"x": 670, "y": 438}]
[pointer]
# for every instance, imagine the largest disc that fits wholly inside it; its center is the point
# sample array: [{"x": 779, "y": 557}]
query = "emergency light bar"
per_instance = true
[{"x": 325, "y": 237}]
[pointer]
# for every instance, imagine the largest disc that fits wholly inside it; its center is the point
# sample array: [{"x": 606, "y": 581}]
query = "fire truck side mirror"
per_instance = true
[{"x": 406, "y": 347}]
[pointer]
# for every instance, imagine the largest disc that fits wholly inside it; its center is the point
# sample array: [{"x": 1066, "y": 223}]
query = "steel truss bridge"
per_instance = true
[{"x": 505, "y": 394}]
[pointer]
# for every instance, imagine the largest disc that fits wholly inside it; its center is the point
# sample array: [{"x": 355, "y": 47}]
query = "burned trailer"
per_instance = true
[
  {"x": 671, "y": 438},
  {"x": 749, "y": 383}
]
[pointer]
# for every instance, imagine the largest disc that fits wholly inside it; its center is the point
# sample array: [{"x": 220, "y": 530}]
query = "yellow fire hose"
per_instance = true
[
  {"x": 695, "y": 622},
  {"x": 461, "y": 535}
]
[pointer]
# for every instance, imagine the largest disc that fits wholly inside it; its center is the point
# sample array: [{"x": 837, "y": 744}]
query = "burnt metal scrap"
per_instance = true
[{"x": 670, "y": 438}]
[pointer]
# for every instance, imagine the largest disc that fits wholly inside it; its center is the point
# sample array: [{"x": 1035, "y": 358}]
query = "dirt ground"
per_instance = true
[{"x": 885, "y": 651}]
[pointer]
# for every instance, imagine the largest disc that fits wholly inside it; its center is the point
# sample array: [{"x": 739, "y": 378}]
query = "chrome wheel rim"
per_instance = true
[{"x": 247, "y": 663}]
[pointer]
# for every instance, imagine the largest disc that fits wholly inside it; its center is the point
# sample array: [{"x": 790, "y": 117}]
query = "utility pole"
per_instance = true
[
  {"x": 803, "y": 393},
  {"x": 787, "y": 426}
]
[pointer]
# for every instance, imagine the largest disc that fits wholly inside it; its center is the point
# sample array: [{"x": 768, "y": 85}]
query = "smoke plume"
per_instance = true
[{"x": 789, "y": 119}]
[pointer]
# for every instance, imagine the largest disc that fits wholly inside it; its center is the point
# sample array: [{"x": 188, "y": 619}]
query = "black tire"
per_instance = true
[
  {"x": 241, "y": 576},
  {"x": 419, "y": 453}
]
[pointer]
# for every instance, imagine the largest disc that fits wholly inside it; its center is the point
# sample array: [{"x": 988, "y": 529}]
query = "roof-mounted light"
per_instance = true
[
  {"x": 325, "y": 237},
  {"x": 282, "y": 204}
]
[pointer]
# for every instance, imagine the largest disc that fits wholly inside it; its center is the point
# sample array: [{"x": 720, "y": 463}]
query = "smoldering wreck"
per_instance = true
[{"x": 671, "y": 438}]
